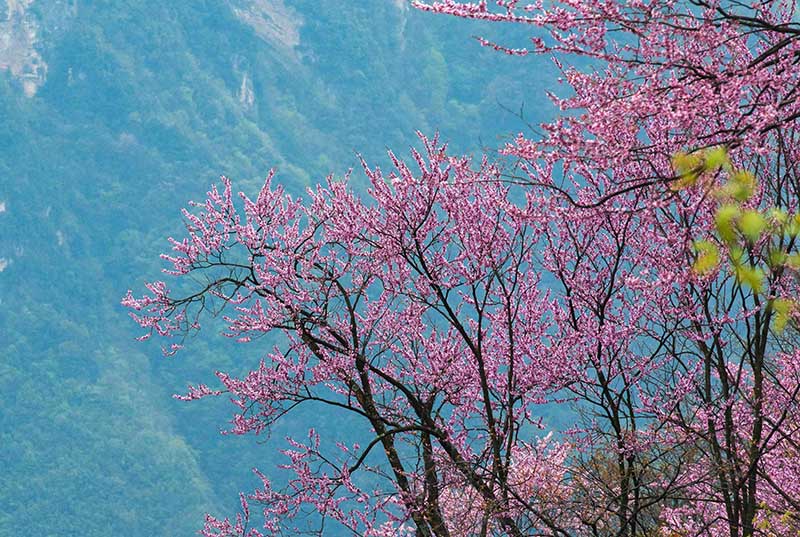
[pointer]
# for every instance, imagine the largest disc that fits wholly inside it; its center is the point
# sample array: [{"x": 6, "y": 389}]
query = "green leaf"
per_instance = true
[
  {"x": 778, "y": 215},
  {"x": 743, "y": 184},
  {"x": 707, "y": 257},
  {"x": 737, "y": 255},
  {"x": 793, "y": 227},
  {"x": 793, "y": 261},
  {"x": 752, "y": 224},
  {"x": 783, "y": 308},
  {"x": 716, "y": 158},
  {"x": 688, "y": 168},
  {"x": 753, "y": 277},
  {"x": 724, "y": 221},
  {"x": 776, "y": 257}
]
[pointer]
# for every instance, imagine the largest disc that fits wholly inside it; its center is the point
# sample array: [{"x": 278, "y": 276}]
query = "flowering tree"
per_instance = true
[
  {"x": 413, "y": 308},
  {"x": 672, "y": 77},
  {"x": 645, "y": 276}
]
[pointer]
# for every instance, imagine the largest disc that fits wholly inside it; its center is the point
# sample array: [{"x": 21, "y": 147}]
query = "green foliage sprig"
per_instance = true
[{"x": 754, "y": 242}]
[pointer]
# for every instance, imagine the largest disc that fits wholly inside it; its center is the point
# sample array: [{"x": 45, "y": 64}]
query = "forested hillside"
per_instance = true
[{"x": 116, "y": 113}]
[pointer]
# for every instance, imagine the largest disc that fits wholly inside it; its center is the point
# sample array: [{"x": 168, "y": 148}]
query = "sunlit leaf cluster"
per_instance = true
[{"x": 758, "y": 243}]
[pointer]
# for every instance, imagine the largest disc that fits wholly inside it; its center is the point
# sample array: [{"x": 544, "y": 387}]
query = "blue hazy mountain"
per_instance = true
[{"x": 115, "y": 114}]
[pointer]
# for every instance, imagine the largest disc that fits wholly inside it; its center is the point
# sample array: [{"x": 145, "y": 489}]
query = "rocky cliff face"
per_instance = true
[
  {"x": 19, "y": 31},
  {"x": 272, "y": 20},
  {"x": 23, "y": 23}
]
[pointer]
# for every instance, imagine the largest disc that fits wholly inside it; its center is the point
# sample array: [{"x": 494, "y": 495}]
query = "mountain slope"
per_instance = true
[{"x": 115, "y": 115}]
